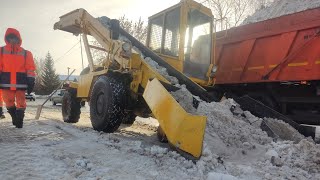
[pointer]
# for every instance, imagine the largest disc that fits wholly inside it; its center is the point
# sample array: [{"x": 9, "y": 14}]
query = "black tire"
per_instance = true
[
  {"x": 54, "y": 103},
  {"x": 106, "y": 104},
  {"x": 70, "y": 107},
  {"x": 129, "y": 117}
]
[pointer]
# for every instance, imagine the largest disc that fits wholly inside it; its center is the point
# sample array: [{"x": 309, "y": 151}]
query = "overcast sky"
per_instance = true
[{"x": 35, "y": 18}]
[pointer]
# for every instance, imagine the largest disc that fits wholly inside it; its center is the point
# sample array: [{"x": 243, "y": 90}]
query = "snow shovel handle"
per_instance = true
[{"x": 57, "y": 88}]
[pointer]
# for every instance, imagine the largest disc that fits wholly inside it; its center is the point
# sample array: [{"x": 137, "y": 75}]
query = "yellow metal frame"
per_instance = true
[
  {"x": 177, "y": 62},
  {"x": 183, "y": 130},
  {"x": 86, "y": 82}
]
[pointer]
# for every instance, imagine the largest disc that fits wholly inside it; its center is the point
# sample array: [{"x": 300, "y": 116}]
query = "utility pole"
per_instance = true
[{"x": 68, "y": 73}]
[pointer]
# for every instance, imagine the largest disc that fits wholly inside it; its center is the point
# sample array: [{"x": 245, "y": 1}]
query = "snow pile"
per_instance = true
[
  {"x": 220, "y": 176},
  {"x": 161, "y": 70},
  {"x": 233, "y": 131},
  {"x": 247, "y": 152},
  {"x": 185, "y": 99},
  {"x": 83, "y": 153},
  {"x": 235, "y": 145},
  {"x": 292, "y": 161},
  {"x": 280, "y": 8}
]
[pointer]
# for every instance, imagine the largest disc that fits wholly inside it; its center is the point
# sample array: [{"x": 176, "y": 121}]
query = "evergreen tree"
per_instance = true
[{"x": 50, "y": 80}]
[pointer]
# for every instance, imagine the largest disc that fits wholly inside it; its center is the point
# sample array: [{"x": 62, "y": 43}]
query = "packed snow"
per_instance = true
[
  {"x": 234, "y": 148},
  {"x": 161, "y": 70},
  {"x": 280, "y": 8}
]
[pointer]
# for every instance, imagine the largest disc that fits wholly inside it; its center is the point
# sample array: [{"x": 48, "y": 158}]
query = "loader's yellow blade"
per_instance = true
[{"x": 183, "y": 130}]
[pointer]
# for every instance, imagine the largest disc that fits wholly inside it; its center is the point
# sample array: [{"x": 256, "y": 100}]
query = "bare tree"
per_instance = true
[
  {"x": 39, "y": 66},
  {"x": 221, "y": 9},
  {"x": 230, "y": 13},
  {"x": 241, "y": 9},
  {"x": 137, "y": 29}
]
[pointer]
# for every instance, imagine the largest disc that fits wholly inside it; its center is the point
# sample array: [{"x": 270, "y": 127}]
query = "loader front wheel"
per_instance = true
[
  {"x": 105, "y": 104},
  {"x": 129, "y": 117},
  {"x": 70, "y": 107}
]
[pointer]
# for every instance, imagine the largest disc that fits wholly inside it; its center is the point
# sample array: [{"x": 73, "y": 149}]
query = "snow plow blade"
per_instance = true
[{"x": 184, "y": 131}]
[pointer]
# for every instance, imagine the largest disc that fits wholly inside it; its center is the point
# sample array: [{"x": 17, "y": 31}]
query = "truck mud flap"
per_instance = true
[
  {"x": 260, "y": 110},
  {"x": 184, "y": 131}
]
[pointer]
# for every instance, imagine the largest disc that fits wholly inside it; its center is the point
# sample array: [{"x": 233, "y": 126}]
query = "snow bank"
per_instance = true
[
  {"x": 185, "y": 99},
  {"x": 280, "y": 8},
  {"x": 220, "y": 176},
  {"x": 234, "y": 145},
  {"x": 161, "y": 70}
]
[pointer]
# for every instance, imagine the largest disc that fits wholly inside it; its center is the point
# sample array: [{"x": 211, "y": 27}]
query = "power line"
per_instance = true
[{"x": 66, "y": 52}]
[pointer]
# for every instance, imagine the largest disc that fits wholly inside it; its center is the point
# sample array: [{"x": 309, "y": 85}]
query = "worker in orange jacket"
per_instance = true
[
  {"x": 1, "y": 106},
  {"x": 17, "y": 74}
]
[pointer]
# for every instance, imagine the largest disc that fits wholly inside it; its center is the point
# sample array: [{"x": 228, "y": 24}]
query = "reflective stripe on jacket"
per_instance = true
[{"x": 16, "y": 64}]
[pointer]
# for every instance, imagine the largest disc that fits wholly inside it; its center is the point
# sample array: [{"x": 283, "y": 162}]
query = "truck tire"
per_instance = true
[
  {"x": 129, "y": 117},
  {"x": 70, "y": 107},
  {"x": 106, "y": 103}
]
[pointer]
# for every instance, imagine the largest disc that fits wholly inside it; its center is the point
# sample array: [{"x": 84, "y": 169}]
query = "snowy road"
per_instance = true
[{"x": 51, "y": 149}]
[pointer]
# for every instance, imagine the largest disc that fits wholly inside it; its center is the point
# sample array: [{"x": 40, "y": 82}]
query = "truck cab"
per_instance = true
[{"x": 182, "y": 36}]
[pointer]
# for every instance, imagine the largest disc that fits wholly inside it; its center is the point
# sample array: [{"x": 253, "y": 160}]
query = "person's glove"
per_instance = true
[{"x": 30, "y": 83}]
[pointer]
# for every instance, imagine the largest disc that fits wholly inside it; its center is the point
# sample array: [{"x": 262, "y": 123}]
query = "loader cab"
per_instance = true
[{"x": 182, "y": 36}]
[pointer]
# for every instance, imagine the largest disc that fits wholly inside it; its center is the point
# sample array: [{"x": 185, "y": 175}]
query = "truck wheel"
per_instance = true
[
  {"x": 129, "y": 117},
  {"x": 54, "y": 103},
  {"x": 106, "y": 104},
  {"x": 70, "y": 107}
]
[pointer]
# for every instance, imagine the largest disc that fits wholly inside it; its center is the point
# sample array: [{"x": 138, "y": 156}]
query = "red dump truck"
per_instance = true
[{"x": 276, "y": 61}]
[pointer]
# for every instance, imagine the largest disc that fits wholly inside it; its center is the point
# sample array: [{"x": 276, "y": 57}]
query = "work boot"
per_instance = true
[
  {"x": 19, "y": 116},
  {"x": 1, "y": 113},
  {"x": 12, "y": 112}
]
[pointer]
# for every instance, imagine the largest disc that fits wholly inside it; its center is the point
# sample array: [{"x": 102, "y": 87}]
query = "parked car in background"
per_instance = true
[
  {"x": 31, "y": 96},
  {"x": 57, "y": 96}
]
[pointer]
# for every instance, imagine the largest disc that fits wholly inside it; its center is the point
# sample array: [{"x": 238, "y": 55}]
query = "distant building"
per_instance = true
[{"x": 71, "y": 78}]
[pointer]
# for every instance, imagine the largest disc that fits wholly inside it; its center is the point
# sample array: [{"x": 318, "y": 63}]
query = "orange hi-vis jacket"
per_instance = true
[
  {"x": 1, "y": 100},
  {"x": 16, "y": 64}
]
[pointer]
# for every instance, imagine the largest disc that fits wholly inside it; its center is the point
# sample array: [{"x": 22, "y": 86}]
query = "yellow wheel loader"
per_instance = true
[{"x": 124, "y": 85}]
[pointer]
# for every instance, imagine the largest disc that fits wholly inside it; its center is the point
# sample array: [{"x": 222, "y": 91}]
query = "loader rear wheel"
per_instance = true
[
  {"x": 106, "y": 104},
  {"x": 70, "y": 107}
]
